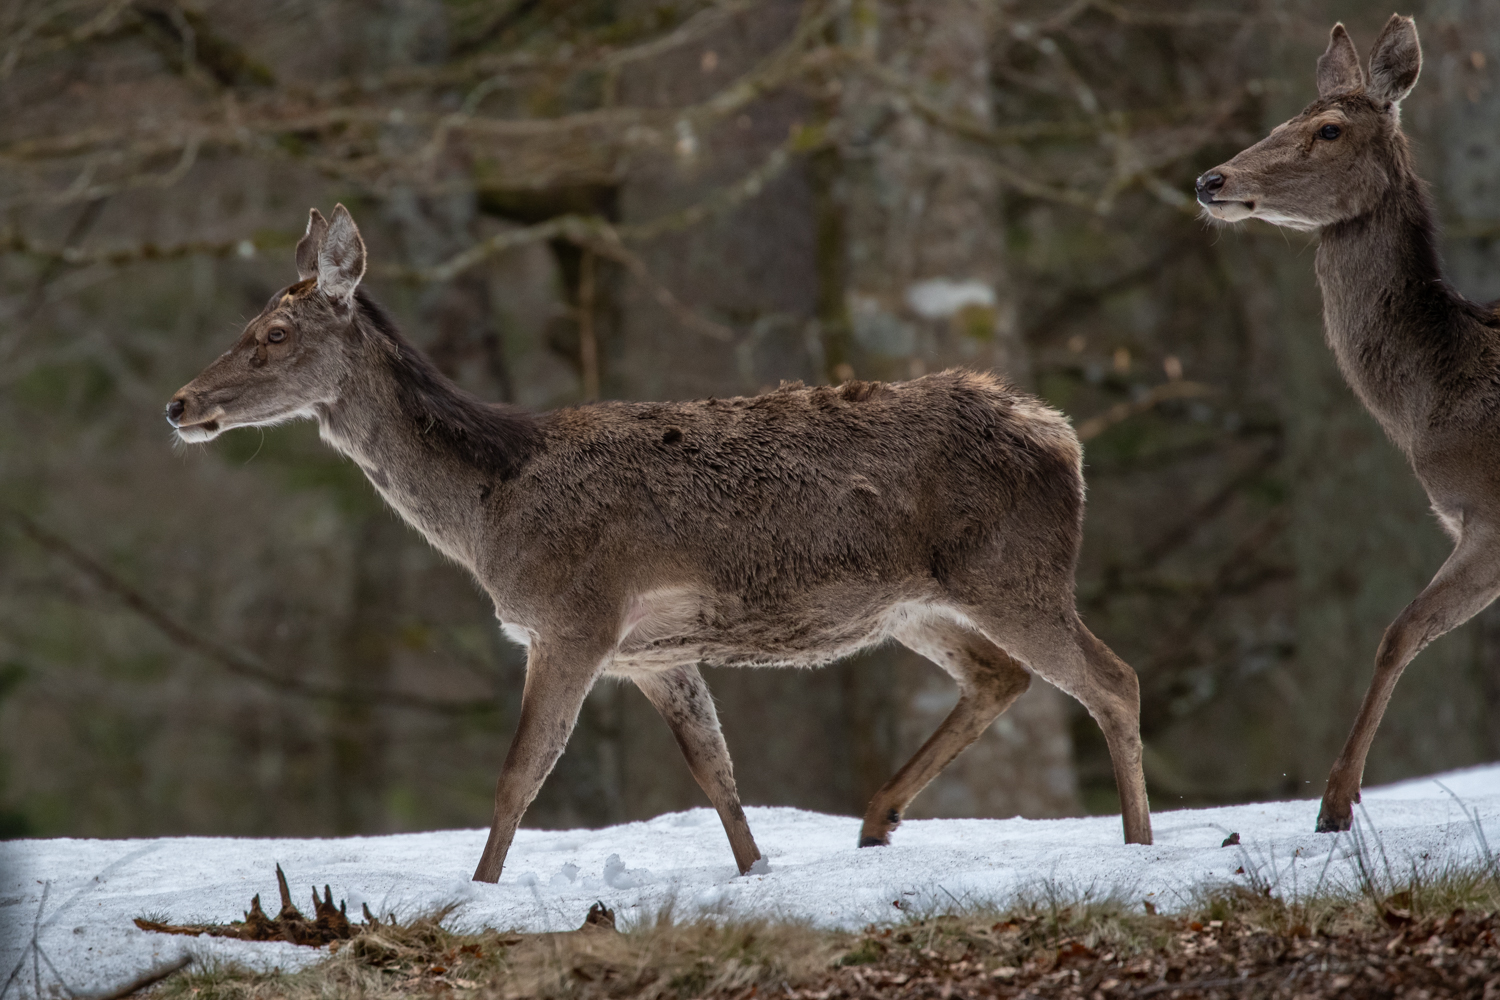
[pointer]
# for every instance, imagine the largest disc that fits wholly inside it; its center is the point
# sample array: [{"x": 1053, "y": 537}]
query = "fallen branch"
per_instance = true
[
  {"x": 330, "y": 923},
  {"x": 330, "y": 926},
  {"x": 148, "y": 978}
]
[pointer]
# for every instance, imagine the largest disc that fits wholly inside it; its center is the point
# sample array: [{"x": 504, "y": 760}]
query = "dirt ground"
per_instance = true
[
  {"x": 1457, "y": 956},
  {"x": 1432, "y": 940}
]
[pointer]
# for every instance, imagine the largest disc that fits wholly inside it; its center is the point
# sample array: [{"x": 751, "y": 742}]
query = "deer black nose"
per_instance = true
[
  {"x": 175, "y": 410},
  {"x": 1209, "y": 183}
]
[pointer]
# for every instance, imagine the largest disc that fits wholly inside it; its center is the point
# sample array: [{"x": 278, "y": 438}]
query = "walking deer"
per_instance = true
[
  {"x": 1424, "y": 360},
  {"x": 640, "y": 540}
]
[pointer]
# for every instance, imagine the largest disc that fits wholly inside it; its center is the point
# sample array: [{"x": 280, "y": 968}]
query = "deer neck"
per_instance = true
[
  {"x": 439, "y": 456},
  {"x": 1386, "y": 309}
]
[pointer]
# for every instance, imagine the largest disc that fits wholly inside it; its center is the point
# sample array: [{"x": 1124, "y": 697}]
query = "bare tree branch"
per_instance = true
[
  {"x": 607, "y": 244},
  {"x": 1176, "y": 389},
  {"x": 716, "y": 203},
  {"x": 236, "y": 661}
]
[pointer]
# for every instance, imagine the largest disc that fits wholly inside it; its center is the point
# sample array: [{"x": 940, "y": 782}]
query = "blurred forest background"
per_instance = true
[{"x": 571, "y": 199}]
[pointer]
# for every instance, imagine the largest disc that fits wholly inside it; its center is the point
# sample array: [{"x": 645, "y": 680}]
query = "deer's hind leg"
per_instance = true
[
  {"x": 1061, "y": 649},
  {"x": 684, "y": 701},
  {"x": 989, "y": 682},
  {"x": 1463, "y": 587},
  {"x": 1111, "y": 692}
]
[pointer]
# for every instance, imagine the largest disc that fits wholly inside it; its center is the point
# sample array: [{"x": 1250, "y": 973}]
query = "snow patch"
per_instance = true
[
  {"x": 617, "y": 876},
  {"x": 820, "y": 876},
  {"x": 939, "y": 298}
]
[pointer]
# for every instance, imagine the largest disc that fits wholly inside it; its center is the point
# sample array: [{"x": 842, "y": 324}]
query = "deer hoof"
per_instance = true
[
  {"x": 873, "y": 842},
  {"x": 1330, "y": 820}
]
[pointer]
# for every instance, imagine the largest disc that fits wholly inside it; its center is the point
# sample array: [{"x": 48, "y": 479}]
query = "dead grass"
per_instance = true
[
  {"x": 665, "y": 957},
  {"x": 1433, "y": 936}
]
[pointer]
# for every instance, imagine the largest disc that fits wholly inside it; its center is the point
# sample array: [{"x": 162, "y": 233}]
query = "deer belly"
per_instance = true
[
  {"x": 667, "y": 629},
  {"x": 660, "y": 628}
]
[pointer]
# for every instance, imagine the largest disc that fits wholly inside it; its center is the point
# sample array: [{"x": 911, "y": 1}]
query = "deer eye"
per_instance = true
[
  {"x": 276, "y": 334},
  {"x": 1330, "y": 132}
]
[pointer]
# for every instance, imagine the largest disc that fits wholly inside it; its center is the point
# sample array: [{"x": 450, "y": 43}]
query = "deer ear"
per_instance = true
[
  {"x": 341, "y": 258},
  {"x": 1395, "y": 60},
  {"x": 310, "y": 244},
  {"x": 1338, "y": 66}
]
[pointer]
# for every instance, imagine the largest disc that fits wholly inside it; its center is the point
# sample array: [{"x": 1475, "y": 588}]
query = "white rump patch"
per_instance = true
[{"x": 516, "y": 634}]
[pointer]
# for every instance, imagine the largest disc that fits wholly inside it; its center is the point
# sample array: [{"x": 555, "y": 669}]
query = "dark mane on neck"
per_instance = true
[
  {"x": 1417, "y": 214},
  {"x": 492, "y": 436},
  {"x": 1410, "y": 209},
  {"x": 1424, "y": 259}
]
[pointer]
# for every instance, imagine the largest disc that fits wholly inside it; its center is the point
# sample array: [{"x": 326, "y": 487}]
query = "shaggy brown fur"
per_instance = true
[
  {"x": 642, "y": 539},
  {"x": 1423, "y": 359}
]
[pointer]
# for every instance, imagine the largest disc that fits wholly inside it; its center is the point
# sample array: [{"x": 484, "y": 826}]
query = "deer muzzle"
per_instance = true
[
  {"x": 1210, "y": 189},
  {"x": 192, "y": 421}
]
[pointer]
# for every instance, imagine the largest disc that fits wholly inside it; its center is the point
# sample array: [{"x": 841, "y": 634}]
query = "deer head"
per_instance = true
[
  {"x": 1341, "y": 156},
  {"x": 295, "y": 354}
]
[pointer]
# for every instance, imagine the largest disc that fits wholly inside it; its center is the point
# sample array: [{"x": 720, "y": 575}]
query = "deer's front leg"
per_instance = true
[
  {"x": 1465, "y": 586},
  {"x": 558, "y": 676}
]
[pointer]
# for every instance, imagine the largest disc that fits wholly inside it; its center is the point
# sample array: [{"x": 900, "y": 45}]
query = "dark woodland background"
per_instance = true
[{"x": 626, "y": 199}]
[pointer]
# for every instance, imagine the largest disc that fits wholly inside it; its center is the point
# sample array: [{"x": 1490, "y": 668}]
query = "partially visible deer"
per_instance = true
[
  {"x": 642, "y": 539},
  {"x": 1424, "y": 360}
]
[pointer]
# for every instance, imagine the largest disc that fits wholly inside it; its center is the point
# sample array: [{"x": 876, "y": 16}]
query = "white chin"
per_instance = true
[
  {"x": 1288, "y": 221},
  {"x": 1229, "y": 211},
  {"x": 198, "y": 434}
]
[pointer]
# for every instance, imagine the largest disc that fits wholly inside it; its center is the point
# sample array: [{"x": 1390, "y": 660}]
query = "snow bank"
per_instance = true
[{"x": 66, "y": 905}]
